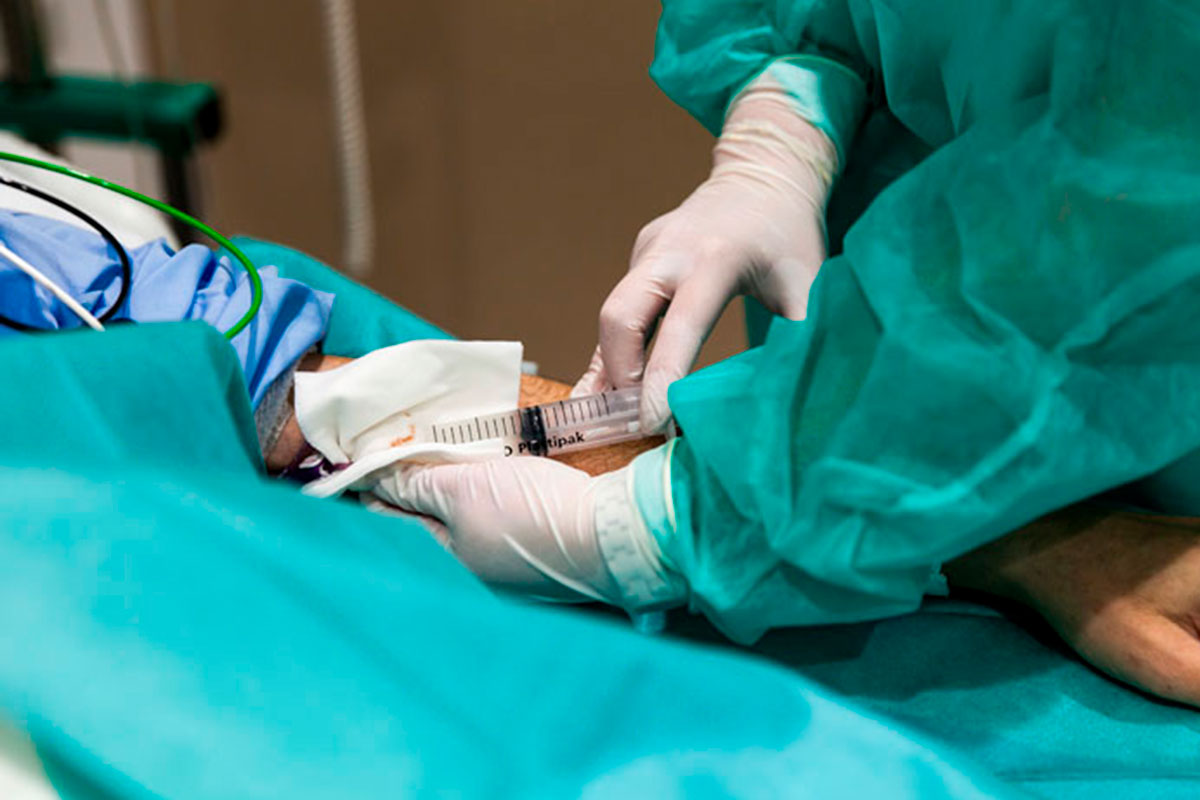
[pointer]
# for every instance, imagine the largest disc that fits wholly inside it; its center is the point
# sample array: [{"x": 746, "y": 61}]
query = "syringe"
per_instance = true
[{"x": 578, "y": 423}]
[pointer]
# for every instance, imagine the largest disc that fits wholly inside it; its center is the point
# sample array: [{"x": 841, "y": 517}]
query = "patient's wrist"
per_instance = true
[
  {"x": 290, "y": 446},
  {"x": 981, "y": 570}
]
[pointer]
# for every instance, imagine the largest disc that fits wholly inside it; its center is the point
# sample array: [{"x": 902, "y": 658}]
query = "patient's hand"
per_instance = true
[{"x": 1123, "y": 589}]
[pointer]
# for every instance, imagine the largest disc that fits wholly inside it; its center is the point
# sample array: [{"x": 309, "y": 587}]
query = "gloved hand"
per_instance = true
[
  {"x": 756, "y": 227},
  {"x": 537, "y": 527}
]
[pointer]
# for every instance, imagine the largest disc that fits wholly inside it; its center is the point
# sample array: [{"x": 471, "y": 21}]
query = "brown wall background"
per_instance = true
[{"x": 517, "y": 147}]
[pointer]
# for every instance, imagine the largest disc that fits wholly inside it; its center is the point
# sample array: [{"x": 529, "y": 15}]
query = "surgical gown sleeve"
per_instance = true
[
  {"x": 168, "y": 286},
  {"x": 936, "y": 67},
  {"x": 708, "y": 49},
  {"x": 1010, "y": 328}
]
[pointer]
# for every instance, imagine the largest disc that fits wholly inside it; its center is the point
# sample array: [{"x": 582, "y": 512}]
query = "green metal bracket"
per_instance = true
[{"x": 171, "y": 117}]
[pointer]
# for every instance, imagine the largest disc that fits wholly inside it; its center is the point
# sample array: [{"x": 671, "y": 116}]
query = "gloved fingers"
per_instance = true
[
  {"x": 595, "y": 379},
  {"x": 484, "y": 493},
  {"x": 627, "y": 319},
  {"x": 647, "y": 237},
  {"x": 1150, "y": 650},
  {"x": 688, "y": 322},
  {"x": 427, "y": 490}
]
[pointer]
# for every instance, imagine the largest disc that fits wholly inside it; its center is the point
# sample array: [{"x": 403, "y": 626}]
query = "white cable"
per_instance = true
[
  {"x": 57, "y": 290},
  {"x": 354, "y": 167}
]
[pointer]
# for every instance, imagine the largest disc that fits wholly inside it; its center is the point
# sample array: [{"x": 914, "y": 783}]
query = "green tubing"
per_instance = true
[{"x": 187, "y": 219}]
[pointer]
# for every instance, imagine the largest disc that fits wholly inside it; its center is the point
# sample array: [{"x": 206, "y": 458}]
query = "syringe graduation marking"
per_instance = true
[{"x": 573, "y": 423}]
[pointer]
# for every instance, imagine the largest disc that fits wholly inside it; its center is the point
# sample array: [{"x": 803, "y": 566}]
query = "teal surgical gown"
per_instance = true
[{"x": 1008, "y": 323}]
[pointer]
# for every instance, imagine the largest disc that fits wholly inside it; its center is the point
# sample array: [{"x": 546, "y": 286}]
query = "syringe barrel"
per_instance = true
[
  {"x": 577, "y": 423},
  {"x": 580, "y": 423}
]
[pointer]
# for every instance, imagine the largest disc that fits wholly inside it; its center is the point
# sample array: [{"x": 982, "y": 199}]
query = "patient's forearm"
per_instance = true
[{"x": 290, "y": 446}]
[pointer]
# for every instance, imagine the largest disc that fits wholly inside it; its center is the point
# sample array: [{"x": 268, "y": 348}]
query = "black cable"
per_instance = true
[{"x": 113, "y": 242}]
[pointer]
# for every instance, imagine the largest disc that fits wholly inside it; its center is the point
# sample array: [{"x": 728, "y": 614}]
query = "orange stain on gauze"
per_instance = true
[{"x": 408, "y": 437}]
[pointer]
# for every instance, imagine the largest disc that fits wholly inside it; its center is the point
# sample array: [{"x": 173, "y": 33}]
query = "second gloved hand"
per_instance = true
[
  {"x": 536, "y": 527},
  {"x": 756, "y": 227}
]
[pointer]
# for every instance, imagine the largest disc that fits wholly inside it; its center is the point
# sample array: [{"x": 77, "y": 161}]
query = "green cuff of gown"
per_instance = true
[
  {"x": 828, "y": 94},
  {"x": 652, "y": 493}
]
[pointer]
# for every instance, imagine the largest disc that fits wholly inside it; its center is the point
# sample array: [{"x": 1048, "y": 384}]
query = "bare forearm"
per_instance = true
[{"x": 1035, "y": 559}]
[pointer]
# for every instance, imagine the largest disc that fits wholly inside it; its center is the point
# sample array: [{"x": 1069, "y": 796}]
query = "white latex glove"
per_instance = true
[
  {"x": 537, "y": 527},
  {"x": 756, "y": 227}
]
